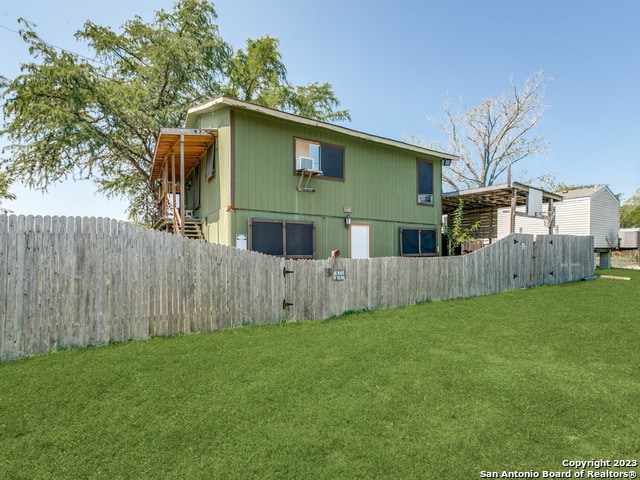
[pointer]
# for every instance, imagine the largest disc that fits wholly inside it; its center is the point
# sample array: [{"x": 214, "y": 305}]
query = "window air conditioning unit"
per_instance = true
[
  {"x": 188, "y": 214},
  {"x": 425, "y": 198},
  {"x": 307, "y": 163}
]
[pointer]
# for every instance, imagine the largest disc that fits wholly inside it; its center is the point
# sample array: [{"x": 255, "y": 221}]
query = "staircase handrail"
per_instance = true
[{"x": 177, "y": 221}]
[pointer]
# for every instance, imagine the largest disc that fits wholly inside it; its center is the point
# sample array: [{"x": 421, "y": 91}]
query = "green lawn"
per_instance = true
[{"x": 444, "y": 390}]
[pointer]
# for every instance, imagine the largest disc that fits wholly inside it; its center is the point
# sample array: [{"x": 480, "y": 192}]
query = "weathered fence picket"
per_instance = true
[{"x": 73, "y": 282}]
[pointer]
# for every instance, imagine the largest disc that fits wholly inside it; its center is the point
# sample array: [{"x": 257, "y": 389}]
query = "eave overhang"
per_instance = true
[
  {"x": 195, "y": 143},
  {"x": 224, "y": 102}
]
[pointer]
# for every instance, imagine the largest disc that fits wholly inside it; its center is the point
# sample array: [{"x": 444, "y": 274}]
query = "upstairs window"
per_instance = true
[
  {"x": 329, "y": 159},
  {"x": 418, "y": 242},
  {"x": 210, "y": 162},
  {"x": 283, "y": 238},
  {"x": 196, "y": 187},
  {"x": 425, "y": 182}
]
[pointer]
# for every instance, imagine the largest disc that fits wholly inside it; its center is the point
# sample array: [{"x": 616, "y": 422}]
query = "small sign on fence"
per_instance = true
[{"x": 338, "y": 276}]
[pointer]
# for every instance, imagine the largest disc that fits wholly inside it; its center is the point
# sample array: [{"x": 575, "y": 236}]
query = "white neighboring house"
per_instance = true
[{"x": 585, "y": 211}]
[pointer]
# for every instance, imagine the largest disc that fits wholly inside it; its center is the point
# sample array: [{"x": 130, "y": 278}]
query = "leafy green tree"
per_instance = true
[
  {"x": 456, "y": 231},
  {"x": 258, "y": 75},
  {"x": 630, "y": 212},
  {"x": 5, "y": 194},
  {"x": 67, "y": 117}
]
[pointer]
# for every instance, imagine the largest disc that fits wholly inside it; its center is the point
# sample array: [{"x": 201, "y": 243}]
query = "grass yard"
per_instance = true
[{"x": 518, "y": 381}]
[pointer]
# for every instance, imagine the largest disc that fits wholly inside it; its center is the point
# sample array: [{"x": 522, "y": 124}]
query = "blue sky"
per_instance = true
[{"x": 394, "y": 66}]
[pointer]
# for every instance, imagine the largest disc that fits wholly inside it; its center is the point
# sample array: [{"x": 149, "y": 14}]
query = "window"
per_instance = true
[
  {"x": 418, "y": 241},
  {"x": 291, "y": 239},
  {"x": 196, "y": 187},
  {"x": 425, "y": 182},
  {"x": 210, "y": 165},
  {"x": 299, "y": 239},
  {"x": 327, "y": 158},
  {"x": 267, "y": 237}
]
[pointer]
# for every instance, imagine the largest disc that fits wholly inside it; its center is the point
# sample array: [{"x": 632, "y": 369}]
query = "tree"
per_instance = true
[
  {"x": 5, "y": 194},
  {"x": 455, "y": 230},
  {"x": 69, "y": 117},
  {"x": 630, "y": 212},
  {"x": 495, "y": 135},
  {"x": 568, "y": 186},
  {"x": 259, "y": 76}
]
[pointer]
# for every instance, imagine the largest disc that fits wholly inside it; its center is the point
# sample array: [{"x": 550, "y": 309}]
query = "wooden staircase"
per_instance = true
[
  {"x": 192, "y": 228},
  {"x": 172, "y": 217}
]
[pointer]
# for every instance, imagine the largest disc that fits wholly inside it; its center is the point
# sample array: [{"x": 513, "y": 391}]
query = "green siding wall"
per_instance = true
[
  {"x": 379, "y": 184},
  {"x": 215, "y": 196}
]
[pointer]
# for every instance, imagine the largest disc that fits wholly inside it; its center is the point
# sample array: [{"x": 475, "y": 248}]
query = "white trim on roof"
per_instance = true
[
  {"x": 221, "y": 102},
  {"x": 585, "y": 192}
]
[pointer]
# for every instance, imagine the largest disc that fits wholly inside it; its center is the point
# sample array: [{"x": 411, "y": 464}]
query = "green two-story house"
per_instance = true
[{"x": 255, "y": 178}]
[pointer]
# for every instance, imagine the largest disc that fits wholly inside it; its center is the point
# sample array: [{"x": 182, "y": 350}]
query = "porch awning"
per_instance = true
[
  {"x": 196, "y": 143},
  {"x": 494, "y": 197}
]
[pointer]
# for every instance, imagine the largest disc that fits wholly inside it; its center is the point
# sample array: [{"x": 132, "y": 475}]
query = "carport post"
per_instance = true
[{"x": 512, "y": 223}]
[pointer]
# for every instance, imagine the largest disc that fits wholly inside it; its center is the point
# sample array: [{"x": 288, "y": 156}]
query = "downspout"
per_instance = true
[{"x": 231, "y": 227}]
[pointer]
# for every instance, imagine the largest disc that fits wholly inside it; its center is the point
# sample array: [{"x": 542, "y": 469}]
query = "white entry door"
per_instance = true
[{"x": 359, "y": 240}]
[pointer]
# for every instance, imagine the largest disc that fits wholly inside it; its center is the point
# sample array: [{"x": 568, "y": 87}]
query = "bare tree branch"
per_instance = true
[{"x": 499, "y": 132}]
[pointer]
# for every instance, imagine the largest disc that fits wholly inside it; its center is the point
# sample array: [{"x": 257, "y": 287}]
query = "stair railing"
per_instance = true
[{"x": 177, "y": 221}]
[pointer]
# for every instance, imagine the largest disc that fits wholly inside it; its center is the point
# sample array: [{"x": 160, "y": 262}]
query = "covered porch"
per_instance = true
[
  {"x": 481, "y": 205},
  {"x": 178, "y": 152}
]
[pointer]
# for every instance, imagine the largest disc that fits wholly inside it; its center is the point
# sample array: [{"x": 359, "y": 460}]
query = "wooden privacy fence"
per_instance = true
[
  {"x": 516, "y": 261},
  {"x": 73, "y": 282}
]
